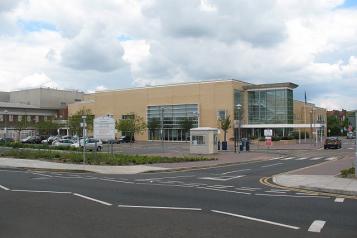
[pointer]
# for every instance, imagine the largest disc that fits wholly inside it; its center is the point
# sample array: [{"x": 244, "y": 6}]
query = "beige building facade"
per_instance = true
[{"x": 250, "y": 107}]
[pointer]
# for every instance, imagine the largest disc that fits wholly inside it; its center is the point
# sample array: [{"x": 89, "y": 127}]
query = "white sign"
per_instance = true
[
  {"x": 236, "y": 123},
  {"x": 104, "y": 128},
  {"x": 268, "y": 132}
]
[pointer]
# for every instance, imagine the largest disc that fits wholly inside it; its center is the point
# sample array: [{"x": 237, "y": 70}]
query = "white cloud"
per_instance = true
[{"x": 310, "y": 42}]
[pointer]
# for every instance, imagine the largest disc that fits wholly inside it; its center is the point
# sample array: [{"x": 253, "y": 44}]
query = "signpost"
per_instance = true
[
  {"x": 104, "y": 128},
  {"x": 268, "y": 133}
]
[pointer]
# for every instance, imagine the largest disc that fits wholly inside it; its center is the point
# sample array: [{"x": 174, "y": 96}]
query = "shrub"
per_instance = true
[{"x": 346, "y": 172}]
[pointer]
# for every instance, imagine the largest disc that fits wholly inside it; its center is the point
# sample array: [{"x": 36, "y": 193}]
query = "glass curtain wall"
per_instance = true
[
  {"x": 170, "y": 118},
  {"x": 270, "y": 106}
]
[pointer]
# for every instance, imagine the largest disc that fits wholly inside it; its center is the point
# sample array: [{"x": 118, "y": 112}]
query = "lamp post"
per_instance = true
[
  {"x": 356, "y": 143},
  {"x": 84, "y": 125},
  {"x": 237, "y": 134},
  {"x": 162, "y": 128},
  {"x": 5, "y": 129}
]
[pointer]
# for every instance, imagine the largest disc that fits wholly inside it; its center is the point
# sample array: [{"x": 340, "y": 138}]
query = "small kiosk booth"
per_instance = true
[{"x": 203, "y": 140}]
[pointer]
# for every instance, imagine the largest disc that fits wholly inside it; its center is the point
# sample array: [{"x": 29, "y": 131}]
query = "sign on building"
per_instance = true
[
  {"x": 104, "y": 128},
  {"x": 268, "y": 132}
]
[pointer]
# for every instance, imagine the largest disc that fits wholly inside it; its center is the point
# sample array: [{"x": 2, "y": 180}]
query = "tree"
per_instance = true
[
  {"x": 46, "y": 127},
  {"x": 153, "y": 125},
  {"x": 225, "y": 125},
  {"x": 186, "y": 124},
  {"x": 74, "y": 121},
  {"x": 21, "y": 125},
  {"x": 131, "y": 126}
]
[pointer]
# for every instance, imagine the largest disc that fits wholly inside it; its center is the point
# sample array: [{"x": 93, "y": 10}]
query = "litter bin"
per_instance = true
[
  {"x": 241, "y": 145},
  {"x": 219, "y": 145},
  {"x": 224, "y": 145},
  {"x": 247, "y": 145}
]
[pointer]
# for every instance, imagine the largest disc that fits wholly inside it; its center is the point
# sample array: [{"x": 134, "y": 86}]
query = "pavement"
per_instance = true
[
  {"x": 323, "y": 177},
  {"x": 222, "y": 201}
]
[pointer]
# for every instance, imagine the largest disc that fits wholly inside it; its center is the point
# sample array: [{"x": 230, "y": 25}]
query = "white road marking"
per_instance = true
[
  {"x": 331, "y": 158},
  {"x": 256, "y": 219},
  {"x": 280, "y": 190},
  {"x": 317, "y": 226},
  {"x": 285, "y": 195},
  {"x": 223, "y": 190},
  {"x": 220, "y": 186},
  {"x": 167, "y": 185},
  {"x": 92, "y": 199},
  {"x": 339, "y": 200},
  {"x": 317, "y": 158},
  {"x": 274, "y": 192},
  {"x": 5, "y": 188},
  {"x": 240, "y": 170},
  {"x": 276, "y": 158},
  {"x": 39, "y": 191},
  {"x": 148, "y": 179},
  {"x": 350, "y": 148},
  {"x": 116, "y": 181},
  {"x": 252, "y": 188},
  {"x": 270, "y": 165},
  {"x": 40, "y": 178},
  {"x": 246, "y": 189},
  {"x": 301, "y": 159},
  {"x": 222, "y": 178},
  {"x": 289, "y": 158},
  {"x": 45, "y": 175},
  {"x": 168, "y": 208}
]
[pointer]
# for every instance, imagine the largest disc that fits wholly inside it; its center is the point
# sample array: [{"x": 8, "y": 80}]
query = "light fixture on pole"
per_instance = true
[
  {"x": 237, "y": 133},
  {"x": 84, "y": 126},
  {"x": 5, "y": 128}
]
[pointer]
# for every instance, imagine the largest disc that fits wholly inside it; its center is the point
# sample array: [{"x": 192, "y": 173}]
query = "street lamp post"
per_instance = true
[
  {"x": 84, "y": 125},
  {"x": 237, "y": 134},
  {"x": 356, "y": 144},
  {"x": 162, "y": 128},
  {"x": 5, "y": 129}
]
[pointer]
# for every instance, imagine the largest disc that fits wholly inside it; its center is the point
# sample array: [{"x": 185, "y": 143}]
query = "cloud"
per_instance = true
[
  {"x": 93, "y": 49},
  {"x": 118, "y": 43}
]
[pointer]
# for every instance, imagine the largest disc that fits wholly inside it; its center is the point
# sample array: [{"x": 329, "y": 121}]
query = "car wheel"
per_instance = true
[{"x": 99, "y": 148}]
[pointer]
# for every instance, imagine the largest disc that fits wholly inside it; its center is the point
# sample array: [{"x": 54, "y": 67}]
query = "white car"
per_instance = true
[
  {"x": 91, "y": 144},
  {"x": 62, "y": 142}
]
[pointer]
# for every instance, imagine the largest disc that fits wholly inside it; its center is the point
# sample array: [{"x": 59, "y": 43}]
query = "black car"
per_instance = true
[
  {"x": 32, "y": 140},
  {"x": 126, "y": 139},
  {"x": 6, "y": 140},
  {"x": 332, "y": 143}
]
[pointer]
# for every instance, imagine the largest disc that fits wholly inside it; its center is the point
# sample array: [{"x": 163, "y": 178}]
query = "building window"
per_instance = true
[
  {"x": 19, "y": 118},
  {"x": 11, "y": 118},
  {"x": 45, "y": 118},
  {"x": 221, "y": 114},
  {"x": 28, "y": 118},
  {"x": 170, "y": 117},
  {"x": 198, "y": 140},
  {"x": 1, "y": 117}
]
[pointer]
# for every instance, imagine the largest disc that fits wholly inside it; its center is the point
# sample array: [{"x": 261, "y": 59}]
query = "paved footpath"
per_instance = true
[{"x": 321, "y": 177}]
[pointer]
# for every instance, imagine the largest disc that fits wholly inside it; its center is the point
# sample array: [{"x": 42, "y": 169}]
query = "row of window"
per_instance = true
[{"x": 12, "y": 118}]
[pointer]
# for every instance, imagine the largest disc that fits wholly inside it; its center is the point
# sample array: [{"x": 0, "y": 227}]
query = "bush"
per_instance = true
[
  {"x": 346, "y": 172},
  {"x": 96, "y": 158},
  {"x": 276, "y": 138}
]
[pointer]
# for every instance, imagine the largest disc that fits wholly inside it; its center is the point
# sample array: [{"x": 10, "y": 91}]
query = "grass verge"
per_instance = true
[
  {"x": 96, "y": 158},
  {"x": 345, "y": 173}
]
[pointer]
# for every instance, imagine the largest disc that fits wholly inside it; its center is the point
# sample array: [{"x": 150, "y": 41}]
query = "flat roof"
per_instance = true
[{"x": 270, "y": 85}]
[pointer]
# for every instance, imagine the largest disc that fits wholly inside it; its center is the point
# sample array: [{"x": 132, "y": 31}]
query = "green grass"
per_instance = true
[
  {"x": 347, "y": 172},
  {"x": 95, "y": 158},
  {"x": 17, "y": 145}
]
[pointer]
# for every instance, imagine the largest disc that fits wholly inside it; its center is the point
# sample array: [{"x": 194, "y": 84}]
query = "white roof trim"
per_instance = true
[{"x": 257, "y": 126}]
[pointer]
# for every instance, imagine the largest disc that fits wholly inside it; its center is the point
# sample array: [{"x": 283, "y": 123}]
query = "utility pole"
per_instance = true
[
  {"x": 5, "y": 129},
  {"x": 162, "y": 129},
  {"x": 84, "y": 126},
  {"x": 356, "y": 144}
]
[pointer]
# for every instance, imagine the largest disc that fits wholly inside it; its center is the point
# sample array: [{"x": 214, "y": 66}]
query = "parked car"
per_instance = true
[
  {"x": 351, "y": 135},
  {"x": 32, "y": 140},
  {"x": 6, "y": 140},
  {"x": 126, "y": 139},
  {"x": 332, "y": 143},
  {"x": 91, "y": 144},
  {"x": 49, "y": 140},
  {"x": 63, "y": 142}
]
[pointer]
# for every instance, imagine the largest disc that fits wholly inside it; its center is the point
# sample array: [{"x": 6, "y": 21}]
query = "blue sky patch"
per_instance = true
[
  {"x": 31, "y": 26},
  {"x": 349, "y": 4},
  {"x": 125, "y": 37}
]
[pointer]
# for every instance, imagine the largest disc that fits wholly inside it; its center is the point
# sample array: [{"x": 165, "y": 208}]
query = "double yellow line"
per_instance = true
[{"x": 266, "y": 181}]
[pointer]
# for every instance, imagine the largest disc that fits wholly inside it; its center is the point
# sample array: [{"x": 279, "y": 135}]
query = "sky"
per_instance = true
[{"x": 112, "y": 44}]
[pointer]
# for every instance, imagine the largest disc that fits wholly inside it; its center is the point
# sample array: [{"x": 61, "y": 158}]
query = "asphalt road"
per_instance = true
[{"x": 227, "y": 201}]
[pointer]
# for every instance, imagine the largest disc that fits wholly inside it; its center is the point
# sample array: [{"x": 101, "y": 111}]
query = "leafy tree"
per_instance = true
[
  {"x": 131, "y": 126},
  {"x": 22, "y": 125},
  {"x": 186, "y": 124},
  {"x": 74, "y": 121},
  {"x": 153, "y": 125},
  {"x": 225, "y": 125},
  {"x": 46, "y": 127}
]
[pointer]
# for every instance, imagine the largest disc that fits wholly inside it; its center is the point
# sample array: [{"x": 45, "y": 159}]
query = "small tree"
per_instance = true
[
  {"x": 153, "y": 125},
  {"x": 74, "y": 121},
  {"x": 46, "y": 127},
  {"x": 131, "y": 126},
  {"x": 186, "y": 124},
  {"x": 21, "y": 125},
  {"x": 225, "y": 125}
]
